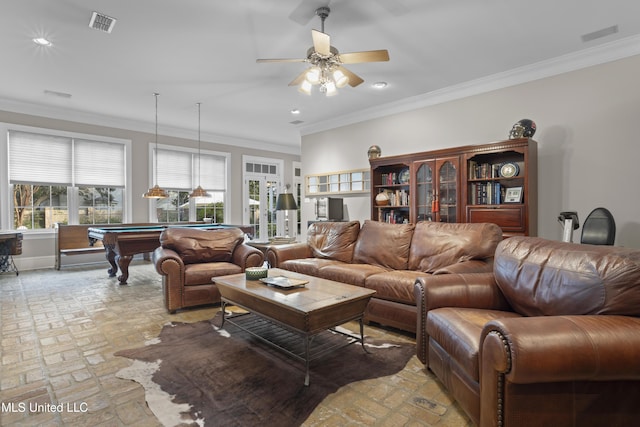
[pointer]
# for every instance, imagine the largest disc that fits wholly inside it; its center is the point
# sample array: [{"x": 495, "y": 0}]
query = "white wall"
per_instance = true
[{"x": 588, "y": 148}]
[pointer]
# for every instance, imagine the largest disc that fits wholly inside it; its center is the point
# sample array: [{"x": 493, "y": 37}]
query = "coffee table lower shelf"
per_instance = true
[{"x": 298, "y": 345}]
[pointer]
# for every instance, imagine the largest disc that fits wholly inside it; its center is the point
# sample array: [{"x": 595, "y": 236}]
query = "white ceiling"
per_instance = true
[{"x": 204, "y": 51}]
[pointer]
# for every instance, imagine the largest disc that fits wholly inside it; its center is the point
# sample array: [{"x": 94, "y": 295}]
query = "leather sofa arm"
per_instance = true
[
  {"x": 473, "y": 290},
  {"x": 169, "y": 265},
  {"x": 552, "y": 349},
  {"x": 167, "y": 261},
  {"x": 563, "y": 348},
  {"x": 471, "y": 266},
  {"x": 247, "y": 256},
  {"x": 477, "y": 290},
  {"x": 280, "y": 253}
]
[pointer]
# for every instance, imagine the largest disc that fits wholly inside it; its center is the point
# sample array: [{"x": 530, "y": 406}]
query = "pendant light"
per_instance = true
[
  {"x": 199, "y": 191},
  {"x": 156, "y": 192}
]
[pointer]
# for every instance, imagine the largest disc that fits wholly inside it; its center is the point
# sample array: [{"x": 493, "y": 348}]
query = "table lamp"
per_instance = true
[{"x": 286, "y": 203}]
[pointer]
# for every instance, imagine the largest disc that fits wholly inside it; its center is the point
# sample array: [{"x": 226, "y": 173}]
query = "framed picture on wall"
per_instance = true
[{"x": 513, "y": 195}]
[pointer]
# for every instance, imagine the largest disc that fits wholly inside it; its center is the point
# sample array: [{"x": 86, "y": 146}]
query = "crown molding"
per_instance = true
[
  {"x": 67, "y": 114},
  {"x": 596, "y": 55}
]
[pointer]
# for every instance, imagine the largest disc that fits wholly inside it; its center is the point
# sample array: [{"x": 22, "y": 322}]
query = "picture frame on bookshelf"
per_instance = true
[{"x": 513, "y": 195}]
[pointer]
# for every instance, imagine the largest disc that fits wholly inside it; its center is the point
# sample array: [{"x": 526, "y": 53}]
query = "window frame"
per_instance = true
[{"x": 6, "y": 188}]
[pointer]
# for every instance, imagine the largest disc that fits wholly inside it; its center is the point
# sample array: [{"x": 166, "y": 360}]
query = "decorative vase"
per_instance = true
[{"x": 382, "y": 199}]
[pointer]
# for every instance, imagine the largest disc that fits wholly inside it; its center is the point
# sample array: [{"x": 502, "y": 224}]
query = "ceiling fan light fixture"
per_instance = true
[
  {"x": 340, "y": 78},
  {"x": 313, "y": 75},
  {"x": 329, "y": 88},
  {"x": 305, "y": 87},
  {"x": 326, "y": 63}
]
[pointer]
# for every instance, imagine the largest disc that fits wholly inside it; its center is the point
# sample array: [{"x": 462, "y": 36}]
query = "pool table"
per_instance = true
[{"x": 123, "y": 242}]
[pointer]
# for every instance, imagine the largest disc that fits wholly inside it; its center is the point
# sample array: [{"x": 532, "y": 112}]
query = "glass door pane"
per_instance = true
[
  {"x": 424, "y": 192},
  {"x": 254, "y": 207},
  {"x": 448, "y": 191}
]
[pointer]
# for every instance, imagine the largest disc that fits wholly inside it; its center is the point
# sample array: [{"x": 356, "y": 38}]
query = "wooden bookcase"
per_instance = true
[
  {"x": 501, "y": 185},
  {"x": 391, "y": 176},
  {"x": 494, "y": 182}
]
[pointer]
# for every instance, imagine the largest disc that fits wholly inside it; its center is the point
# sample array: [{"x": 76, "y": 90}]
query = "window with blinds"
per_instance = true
[
  {"x": 182, "y": 170},
  {"x": 65, "y": 179},
  {"x": 179, "y": 172}
]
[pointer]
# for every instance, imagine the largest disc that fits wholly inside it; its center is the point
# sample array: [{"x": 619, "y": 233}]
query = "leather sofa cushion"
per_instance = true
[
  {"x": 540, "y": 277},
  {"x": 196, "y": 246},
  {"x": 394, "y": 285},
  {"x": 310, "y": 266},
  {"x": 351, "y": 274},
  {"x": 384, "y": 245},
  {"x": 437, "y": 244},
  {"x": 201, "y": 273},
  {"x": 333, "y": 240}
]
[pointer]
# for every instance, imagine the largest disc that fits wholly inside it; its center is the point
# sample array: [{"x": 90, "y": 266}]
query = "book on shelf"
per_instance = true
[
  {"x": 486, "y": 193},
  {"x": 484, "y": 170},
  {"x": 393, "y": 216},
  {"x": 389, "y": 178}
]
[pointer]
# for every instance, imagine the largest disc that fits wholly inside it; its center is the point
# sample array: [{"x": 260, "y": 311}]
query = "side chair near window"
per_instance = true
[
  {"x": 551, "y": 337},
  {"x": 187, "y": 260}
]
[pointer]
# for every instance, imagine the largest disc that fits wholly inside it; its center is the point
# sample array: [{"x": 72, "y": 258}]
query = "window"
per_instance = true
[
  {"x": 66, "y": 178},
  {"x": 179, "y": 173},
  {"x": 353, "y": 181}
]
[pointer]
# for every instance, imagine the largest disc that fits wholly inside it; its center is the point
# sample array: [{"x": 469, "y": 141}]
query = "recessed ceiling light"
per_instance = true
[
  {"x": 295, "y": 111},
  {"x": 41, "y": 41},
  {"x": 379, "y": 85}
]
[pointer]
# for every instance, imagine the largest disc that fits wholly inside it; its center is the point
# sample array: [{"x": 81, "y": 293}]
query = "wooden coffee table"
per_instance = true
[{"x": 295, "y": 320}]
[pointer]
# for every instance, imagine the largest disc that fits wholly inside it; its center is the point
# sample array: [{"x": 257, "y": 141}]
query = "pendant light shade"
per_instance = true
[
  {"x": 156, "y": 192},
  {"x": 199, "y": 191}
]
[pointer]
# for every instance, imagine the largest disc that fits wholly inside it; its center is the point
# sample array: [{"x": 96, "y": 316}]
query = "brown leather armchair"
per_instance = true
[
  {"x": 188, "y": 258},
  {"x": 550, "y": 337}
]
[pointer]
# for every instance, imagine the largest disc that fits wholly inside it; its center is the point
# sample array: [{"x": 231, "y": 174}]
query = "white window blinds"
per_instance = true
[
  {"x": 99, "y": 163},
  {"x": 41, "y": 159},
  {"x": 214, "y": 172},
  {"x": 178, "y": 170},
  {"x": 49, "y": 159},
  {"x": 174, "y": 169}
]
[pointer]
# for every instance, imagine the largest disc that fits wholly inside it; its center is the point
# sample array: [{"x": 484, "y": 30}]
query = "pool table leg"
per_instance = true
[
  {"x": 123, "y": 262},
  {"x": 110, "y": 254}
]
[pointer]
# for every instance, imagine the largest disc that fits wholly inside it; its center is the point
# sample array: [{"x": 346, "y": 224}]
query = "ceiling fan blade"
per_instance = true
[
  {"x": 321, "y": 42},
  {"x": 354, "y": 79},
  {"x": 281, "y": 60},
  {"x": 299, "y": 79},
  {"x": 365, "y": 56}
]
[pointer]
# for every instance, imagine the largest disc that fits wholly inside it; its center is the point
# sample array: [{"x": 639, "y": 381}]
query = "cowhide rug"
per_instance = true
[{"x": 198, "y": 374}]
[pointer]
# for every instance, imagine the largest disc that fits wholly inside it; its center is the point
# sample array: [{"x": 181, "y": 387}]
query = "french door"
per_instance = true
[{"x": 260, "y": 193}]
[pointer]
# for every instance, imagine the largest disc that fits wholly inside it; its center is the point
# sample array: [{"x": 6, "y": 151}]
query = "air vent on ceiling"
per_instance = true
[
  {"x": 296, "y": 122},
  {"x": 599, "y": 34},
  {"x": 58, "y": 94},
  {"x": 102, "y": 22}
]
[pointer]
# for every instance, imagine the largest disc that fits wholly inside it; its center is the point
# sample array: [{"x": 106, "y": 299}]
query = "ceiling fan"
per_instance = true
[{"x": 326, "y": 69}]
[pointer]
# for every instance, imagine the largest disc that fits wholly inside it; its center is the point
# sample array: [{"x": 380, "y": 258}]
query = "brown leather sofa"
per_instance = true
[
  {"x": 188, "y": 258},
  {"x": 388, "y": 258},
  {"x": 550, "y": 338}
]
